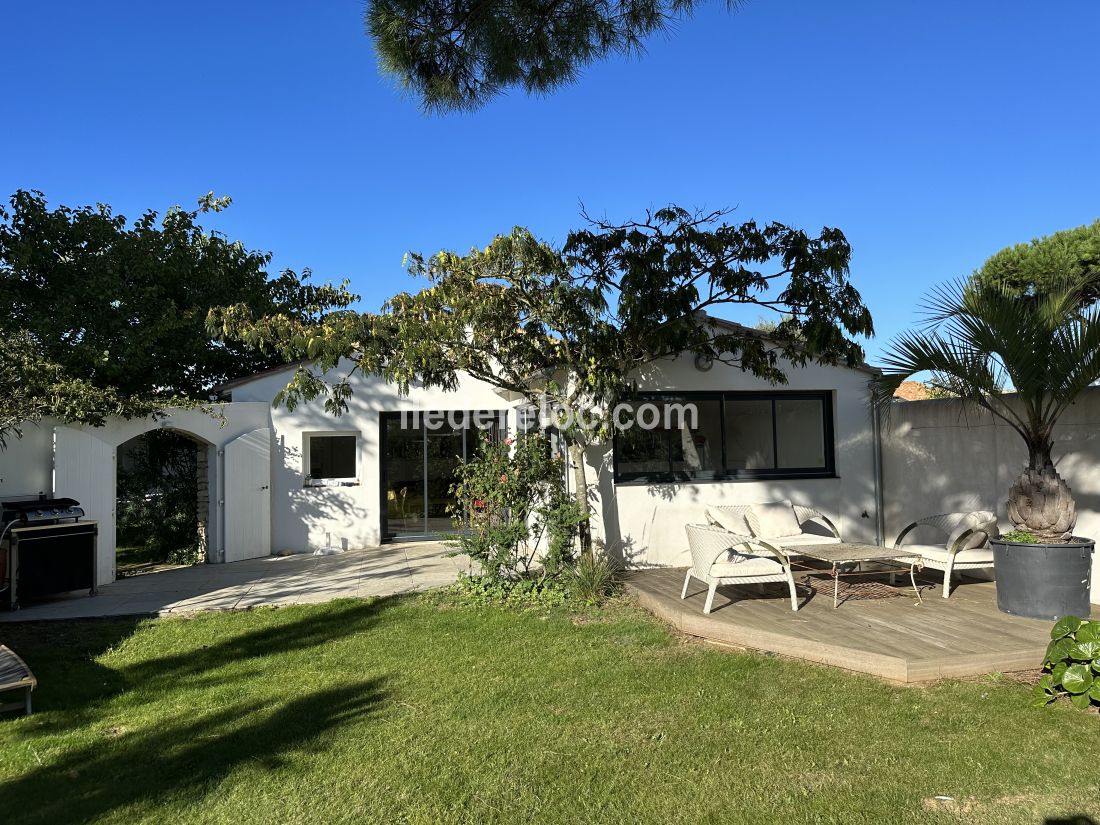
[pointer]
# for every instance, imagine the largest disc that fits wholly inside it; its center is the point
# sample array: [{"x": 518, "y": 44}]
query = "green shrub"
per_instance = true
[
  {"x": 593, "y": 578},
  {"x": 493, "y": 591},
  {"x": 510, "y": 502},
  {"x": 1071, "y": 664}
]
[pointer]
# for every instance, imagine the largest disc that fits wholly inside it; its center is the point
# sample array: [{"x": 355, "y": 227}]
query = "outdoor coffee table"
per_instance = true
[{"x": 891, "y": 561}]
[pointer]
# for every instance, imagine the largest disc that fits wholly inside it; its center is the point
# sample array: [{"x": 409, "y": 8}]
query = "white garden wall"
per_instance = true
[{"x": 945, "y": 456}]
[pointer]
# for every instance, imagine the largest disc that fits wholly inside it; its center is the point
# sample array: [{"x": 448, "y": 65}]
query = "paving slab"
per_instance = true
[{"x": 272, "y": 580}]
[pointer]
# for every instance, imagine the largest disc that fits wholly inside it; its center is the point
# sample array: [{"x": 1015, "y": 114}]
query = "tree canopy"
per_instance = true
[
  {"x": 458, "y": 54},
  {"x": 104, "y": 318},
  {"x": 1046, "y": 264}
]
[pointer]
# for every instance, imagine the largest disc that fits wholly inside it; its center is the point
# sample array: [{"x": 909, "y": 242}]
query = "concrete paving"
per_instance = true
[{"x": 274, "y": 580}]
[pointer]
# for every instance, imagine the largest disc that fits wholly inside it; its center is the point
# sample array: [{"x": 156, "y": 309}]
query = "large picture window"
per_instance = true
[{"x": 731, "y": 435}]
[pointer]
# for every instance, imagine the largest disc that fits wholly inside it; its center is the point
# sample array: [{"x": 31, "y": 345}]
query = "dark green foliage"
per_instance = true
[
  {"x": 157, "y": 492},
  {"x": 1071, "y": 664},
  {"x": 615, "y": 298},
  {"x": 118, "y": 313},
  {"x": 32, "y": 387},
  {"x": 1041, "y": 265},
  {"x": 458, "y": 54}
]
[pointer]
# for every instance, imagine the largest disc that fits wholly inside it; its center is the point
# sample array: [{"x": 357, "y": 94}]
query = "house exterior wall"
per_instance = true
[
  {"x": 943, "y": 456},
  {"x": 86, "y": 469},
  {"x": 643, "y": 524},
  {"x": 308, "y": 518}
]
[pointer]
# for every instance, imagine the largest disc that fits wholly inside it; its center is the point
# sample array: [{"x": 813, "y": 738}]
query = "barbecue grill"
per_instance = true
[{"x": 45, "y": 548}]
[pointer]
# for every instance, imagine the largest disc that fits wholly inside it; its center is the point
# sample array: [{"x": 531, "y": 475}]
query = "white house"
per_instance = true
[{"x": 280, "y": 480}]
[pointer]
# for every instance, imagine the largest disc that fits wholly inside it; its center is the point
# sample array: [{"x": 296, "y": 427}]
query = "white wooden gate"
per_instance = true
[
  {"x": 247, "y": 512},
  {"x": 84, "y": 469}
]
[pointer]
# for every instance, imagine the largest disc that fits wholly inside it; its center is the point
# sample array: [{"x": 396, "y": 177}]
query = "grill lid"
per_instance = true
[{"x": 40, "y": 509}]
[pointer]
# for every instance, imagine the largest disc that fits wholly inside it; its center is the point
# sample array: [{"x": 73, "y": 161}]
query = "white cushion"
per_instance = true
[
  {"x": 806, "y": 539},
  {"x": 937, "y": 554},
  {"x": 984, "y": 525},
  {"x": 774, "y": 519},
  {"x": 746, "y": 566},
  {"x": 735, "y": 523}
]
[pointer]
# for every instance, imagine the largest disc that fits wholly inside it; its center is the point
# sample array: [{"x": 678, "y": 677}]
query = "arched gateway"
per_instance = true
[{"x": 235, "y": 454}]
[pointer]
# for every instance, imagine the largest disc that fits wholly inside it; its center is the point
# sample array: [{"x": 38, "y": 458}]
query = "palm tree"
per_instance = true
[{"x": 985, "y": 338}]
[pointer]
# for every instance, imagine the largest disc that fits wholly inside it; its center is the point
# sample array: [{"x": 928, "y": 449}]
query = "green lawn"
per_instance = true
[{"x": 401, "y": 711}]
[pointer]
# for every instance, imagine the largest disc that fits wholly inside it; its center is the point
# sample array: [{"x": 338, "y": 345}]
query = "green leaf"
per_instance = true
[
  {"x": 1094, "y": 691},
  {"x": 1040, "y": 698},
  {"x": 1046, "y": 682},
  {"x": 1085, "y": 651},
  {"x": 1058, "y": 672},
  {"x": 1058, "y": 650},
  {"x": 1065, "y": 626},
  {"x": 1080, "y": 700},
  {"x": 1088, "y": 632},
  {"x": 1077, "y": 679}
]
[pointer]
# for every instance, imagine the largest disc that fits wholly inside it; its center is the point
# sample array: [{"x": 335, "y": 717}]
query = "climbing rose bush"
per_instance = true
[{"x": 511, "y": 503}]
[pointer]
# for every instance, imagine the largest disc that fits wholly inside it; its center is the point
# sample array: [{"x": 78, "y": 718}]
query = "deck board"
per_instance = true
[{"x": 894, "y": 639}]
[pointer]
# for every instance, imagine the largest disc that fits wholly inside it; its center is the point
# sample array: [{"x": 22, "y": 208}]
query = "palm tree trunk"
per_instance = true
[{"x": 1040, "y": 501}]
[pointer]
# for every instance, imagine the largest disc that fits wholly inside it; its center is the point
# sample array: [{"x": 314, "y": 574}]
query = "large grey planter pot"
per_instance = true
[{"x": 1043, "y": 581}]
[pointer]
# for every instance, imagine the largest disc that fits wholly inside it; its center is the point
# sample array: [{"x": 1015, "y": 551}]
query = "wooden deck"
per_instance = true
[{"x": 892, "y": 638}]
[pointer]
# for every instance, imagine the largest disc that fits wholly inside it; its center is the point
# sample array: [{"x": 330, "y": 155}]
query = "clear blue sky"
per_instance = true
[{"x": 932, "y": 134}]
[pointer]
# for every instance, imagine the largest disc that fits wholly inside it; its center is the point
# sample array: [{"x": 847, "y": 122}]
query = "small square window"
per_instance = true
[{"x": 332, "y": 458}]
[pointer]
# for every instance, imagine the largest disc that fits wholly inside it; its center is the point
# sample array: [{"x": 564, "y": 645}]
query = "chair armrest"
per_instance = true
[
  {"x": 772, "y": 550},
  {"x": 805, "y": 514},
  {"x": 708, "y": 544}
]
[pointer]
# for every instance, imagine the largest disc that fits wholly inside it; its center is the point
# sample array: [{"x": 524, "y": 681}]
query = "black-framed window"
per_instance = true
[
  {"x": 729, "y": 435},
  {"x": 333, "y": 457}
]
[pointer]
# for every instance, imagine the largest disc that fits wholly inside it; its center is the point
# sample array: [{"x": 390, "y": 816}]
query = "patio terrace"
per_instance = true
[{"x": 893, "y": 638}]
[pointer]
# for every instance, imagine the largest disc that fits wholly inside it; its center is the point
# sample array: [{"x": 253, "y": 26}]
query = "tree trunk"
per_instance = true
[
  {"x": 580, "y": 482},
  {"x": 1040, "y": 501}
]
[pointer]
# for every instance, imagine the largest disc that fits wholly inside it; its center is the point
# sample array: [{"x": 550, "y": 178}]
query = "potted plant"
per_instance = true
[{"x": 1021, "y": 339}]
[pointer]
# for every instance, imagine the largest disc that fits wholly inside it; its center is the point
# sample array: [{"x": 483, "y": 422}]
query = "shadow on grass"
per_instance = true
[
  {"x": 71, "y": 682},
  {"x": 181, "y": 760}
]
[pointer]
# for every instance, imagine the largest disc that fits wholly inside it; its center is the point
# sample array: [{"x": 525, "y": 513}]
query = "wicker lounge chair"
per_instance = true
[
  {"x": 15, "y": 675},
  {"x": 720, "y": 557},
  {"x": 966, "y": 547}
]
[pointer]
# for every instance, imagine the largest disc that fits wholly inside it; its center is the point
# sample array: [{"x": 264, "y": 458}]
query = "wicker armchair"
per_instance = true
[
  {"x": 720, "y": 557},
  {"x": 966, "y": 547}
]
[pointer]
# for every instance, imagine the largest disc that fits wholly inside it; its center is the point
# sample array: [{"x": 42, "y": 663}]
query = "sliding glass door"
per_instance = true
[{"x": 421, "y": 455}]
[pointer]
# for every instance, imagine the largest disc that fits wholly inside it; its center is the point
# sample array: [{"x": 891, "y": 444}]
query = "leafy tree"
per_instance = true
[
  {"x": 571, "y": 326},
  {"x": 32, "y": 388},
  {"x": 984, "y": 337},
  {"x": 458, "y": 54},
  {"x": 108, "y": 319},
  {"x": 1043, "y": 265}
]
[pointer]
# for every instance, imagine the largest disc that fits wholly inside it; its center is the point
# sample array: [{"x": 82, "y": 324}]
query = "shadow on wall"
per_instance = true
[
  {"x": 643, "y": 524},
  {"x": 316, "y": 517},
  {"x": 942, "y": 456}
]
